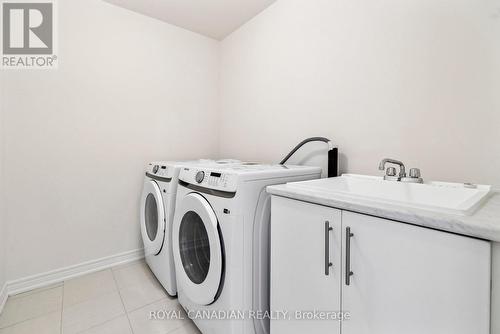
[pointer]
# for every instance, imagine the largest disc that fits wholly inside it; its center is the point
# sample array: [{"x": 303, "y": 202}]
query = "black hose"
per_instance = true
[
  {"x": 332, "y": 155},
  {"x": 305, "y": 141}
]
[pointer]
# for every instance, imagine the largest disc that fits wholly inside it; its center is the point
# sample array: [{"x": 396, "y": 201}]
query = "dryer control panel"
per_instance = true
[
  {"x": 208, "y": 178},
  {"x": 160, "y": 170}
]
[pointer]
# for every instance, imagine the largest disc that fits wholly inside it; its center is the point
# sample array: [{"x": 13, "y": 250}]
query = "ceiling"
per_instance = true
[{"x": 212, "y": 18}]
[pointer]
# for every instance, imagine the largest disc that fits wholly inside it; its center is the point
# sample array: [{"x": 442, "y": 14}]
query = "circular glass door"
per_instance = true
[
  {"x": 198, "y": 249},
  {"x": 152, "y": 218},
  {"x": 194, "y": 247}
]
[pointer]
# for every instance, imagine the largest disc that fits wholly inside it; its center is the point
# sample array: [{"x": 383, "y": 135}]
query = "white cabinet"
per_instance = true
[
  {"x": 409, "y": 279},
  {"x": 405, "y": 278},
  {"x": 302, "y": 248}
]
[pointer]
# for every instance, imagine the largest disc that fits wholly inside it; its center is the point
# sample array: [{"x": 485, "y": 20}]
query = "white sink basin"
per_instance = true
[{"x": 441, "y": 197}]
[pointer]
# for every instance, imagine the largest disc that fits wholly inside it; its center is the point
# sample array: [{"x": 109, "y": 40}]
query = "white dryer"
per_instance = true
[
  {"x": 221, "y": 243},
  {"x": 157, "y": 213}
]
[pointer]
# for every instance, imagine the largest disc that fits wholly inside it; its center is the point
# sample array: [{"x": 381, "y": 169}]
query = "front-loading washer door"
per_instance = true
[
  {"x": 199, "y": 250},
  {"x": 152, "y": 218}
]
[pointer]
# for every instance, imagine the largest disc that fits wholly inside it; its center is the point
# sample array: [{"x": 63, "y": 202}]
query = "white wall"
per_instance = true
[
  {"x": 129, "y": 89},
  {"x": 415, "y": 80}
]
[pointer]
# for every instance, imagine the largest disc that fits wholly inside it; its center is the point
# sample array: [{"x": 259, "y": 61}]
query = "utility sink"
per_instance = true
[{"x": 439, "y": 197}]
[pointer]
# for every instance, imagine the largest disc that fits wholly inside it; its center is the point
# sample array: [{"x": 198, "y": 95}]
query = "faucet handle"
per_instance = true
[
  {"x": 414, "y": 177},
  {"x": 415, "y": 173},
  {"x": 391, "y": 171}
]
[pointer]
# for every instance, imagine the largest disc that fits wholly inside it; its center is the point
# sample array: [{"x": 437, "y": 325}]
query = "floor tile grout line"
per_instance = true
[
  {"x": 115, "y": 291},
  {"x": 29, "y": 319},
  {"x": 99, "y": 325},
  {"x": 89, "y": 297},
  {"x": 123, "y": 303},
  {"x": 34, "y": 317},
  {"x": 176, "y": 329},
  {"x": 148, "y": 304},
  {"x": 109, "y": 320}
]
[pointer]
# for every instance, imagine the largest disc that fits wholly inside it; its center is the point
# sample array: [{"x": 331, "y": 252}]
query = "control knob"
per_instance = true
[{"x": 200, "y": 176}]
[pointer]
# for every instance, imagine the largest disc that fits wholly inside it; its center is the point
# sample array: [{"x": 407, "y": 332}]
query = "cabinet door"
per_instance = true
[
  {"x": 413, "y": 280},
  {"x": 302, "y": 246}
]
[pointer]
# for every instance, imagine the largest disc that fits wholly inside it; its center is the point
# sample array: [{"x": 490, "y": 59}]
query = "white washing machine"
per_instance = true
[
  {"x": 157, "y": 213},
  {"x": 221, "y": 243}
]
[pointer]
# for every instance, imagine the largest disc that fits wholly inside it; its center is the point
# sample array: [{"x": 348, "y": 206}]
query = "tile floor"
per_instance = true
[{"x": 113, "y": 301}]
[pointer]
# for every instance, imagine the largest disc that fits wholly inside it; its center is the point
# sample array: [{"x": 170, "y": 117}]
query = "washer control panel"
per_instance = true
[{"x": 212, "y": 179}]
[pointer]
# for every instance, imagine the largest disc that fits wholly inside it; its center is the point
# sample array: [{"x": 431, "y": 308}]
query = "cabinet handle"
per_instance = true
[
  {"x": 348, "y": 272},
  {"x": 328, "y": 264}
]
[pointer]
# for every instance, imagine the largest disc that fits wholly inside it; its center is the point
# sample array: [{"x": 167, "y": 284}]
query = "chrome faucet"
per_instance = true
[{"x": 391, "y": 173}]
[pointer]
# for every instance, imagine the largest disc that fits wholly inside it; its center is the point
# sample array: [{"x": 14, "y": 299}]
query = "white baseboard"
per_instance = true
[
  {"x": 59, "y": 275},
  {"x": 3, "y": 296}
]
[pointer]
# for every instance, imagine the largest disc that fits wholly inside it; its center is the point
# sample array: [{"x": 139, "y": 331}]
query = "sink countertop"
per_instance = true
[{"x": 484, "y": 223}]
